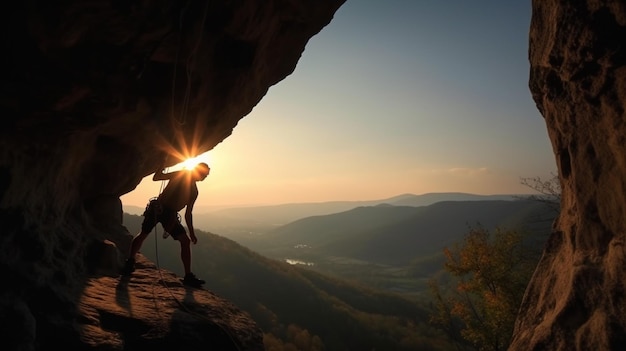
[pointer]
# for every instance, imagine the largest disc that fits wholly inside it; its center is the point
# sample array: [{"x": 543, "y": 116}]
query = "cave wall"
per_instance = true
[
  {"x": 576, "y": 300},
  {"x": 95, "y": 95}
]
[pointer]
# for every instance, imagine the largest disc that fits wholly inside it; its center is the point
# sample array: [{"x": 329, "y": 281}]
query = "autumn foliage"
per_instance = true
[{"x": 489, "y": 273}]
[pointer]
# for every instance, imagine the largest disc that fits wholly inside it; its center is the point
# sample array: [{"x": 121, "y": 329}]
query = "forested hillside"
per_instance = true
[{"x": 396, "y": 248}]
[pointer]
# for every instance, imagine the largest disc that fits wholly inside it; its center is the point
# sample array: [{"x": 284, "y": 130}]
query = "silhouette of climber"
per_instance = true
[{"x": 180, "y": 192}]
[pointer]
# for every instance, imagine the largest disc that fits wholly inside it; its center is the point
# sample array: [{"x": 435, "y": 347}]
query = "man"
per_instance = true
[{"x": 181, "y": 192}]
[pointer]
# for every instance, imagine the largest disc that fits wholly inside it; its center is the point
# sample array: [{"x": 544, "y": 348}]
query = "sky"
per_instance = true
[{"x": 392, "y": 97}]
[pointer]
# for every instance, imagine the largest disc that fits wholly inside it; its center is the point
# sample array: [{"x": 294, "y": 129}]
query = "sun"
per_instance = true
[{"x": 192, "y": 162}]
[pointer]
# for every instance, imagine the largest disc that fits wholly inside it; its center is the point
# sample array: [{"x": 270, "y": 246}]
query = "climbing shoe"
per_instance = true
[
  {"x": 129, "y": 267},
  {"x": 191, "y": 280}
]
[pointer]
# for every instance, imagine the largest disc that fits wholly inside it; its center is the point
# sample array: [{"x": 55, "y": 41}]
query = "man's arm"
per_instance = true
[
  {"x": 159, "y": 175},
  {"x": 189, "y": 220}
]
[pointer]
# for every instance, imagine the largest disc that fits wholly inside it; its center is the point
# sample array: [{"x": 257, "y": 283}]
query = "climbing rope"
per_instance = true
[
  {"x": 189, "y": 67},
  {"x": 181, "y": 119}
]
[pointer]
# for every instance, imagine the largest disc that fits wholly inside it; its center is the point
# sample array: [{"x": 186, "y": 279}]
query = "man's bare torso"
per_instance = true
[{"x": 179, "y": 192}]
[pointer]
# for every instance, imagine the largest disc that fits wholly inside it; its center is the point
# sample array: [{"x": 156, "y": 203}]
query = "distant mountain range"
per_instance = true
[
  {"x": 271, "y": 216},
  {"x": 394, "y": 235},
  {"x": 285, "y": 213}
]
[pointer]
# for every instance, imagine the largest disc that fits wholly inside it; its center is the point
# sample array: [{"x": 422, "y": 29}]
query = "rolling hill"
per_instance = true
[
  {"x": 395, "y": 235},
  {"x": 396, "y": 248}
]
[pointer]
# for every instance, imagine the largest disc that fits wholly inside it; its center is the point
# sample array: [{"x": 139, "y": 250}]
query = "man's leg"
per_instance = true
[
  {"x": 135, "y": 246},
  {"x": 150, "y": 219},
  {"x": 185, "y": 255},
  {"x": 178, "y": 232},
  {"x": 185, "y": 252}
]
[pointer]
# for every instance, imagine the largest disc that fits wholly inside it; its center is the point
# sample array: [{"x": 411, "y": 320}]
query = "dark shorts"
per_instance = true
[{"x": 169, "y": 219}]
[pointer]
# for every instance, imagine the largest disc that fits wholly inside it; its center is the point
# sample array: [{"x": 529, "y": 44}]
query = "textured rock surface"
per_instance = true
[
  {"x": 153, "y": 310},
  {"x": 576, "y": 299},
  {"x": 94, "y": 96}
]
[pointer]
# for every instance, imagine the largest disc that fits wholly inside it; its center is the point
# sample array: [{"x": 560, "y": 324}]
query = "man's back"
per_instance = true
[{"x": 180, "y": 190}]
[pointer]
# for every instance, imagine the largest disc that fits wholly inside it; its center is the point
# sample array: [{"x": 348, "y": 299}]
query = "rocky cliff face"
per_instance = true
[
  {"x": 576, "y": 299},
  {"x": 95, "y": 95}
]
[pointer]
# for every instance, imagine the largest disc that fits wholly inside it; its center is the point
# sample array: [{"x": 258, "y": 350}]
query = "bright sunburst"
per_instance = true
[
  {"x": 191, "y": 162},
  {"x": 185, "y": 149}
]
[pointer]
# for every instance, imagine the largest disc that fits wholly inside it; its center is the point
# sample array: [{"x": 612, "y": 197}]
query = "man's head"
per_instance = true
[{"x": 201, "y": 171}]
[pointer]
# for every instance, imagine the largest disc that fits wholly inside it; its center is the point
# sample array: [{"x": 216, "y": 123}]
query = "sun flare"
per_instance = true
[{"x": 192, "y": 162}]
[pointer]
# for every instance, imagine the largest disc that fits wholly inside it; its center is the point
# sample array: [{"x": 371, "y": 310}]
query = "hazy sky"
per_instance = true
[{"x": 392, "y": 97}]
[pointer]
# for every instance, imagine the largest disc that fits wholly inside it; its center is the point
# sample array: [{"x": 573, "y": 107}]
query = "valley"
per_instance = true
[{"x": 371, "y": 259}]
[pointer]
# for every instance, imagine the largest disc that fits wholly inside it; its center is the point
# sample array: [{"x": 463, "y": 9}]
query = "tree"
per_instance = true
[
  {"x": 549, "y": 191},
  {"x": 491, "y": 272}
]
